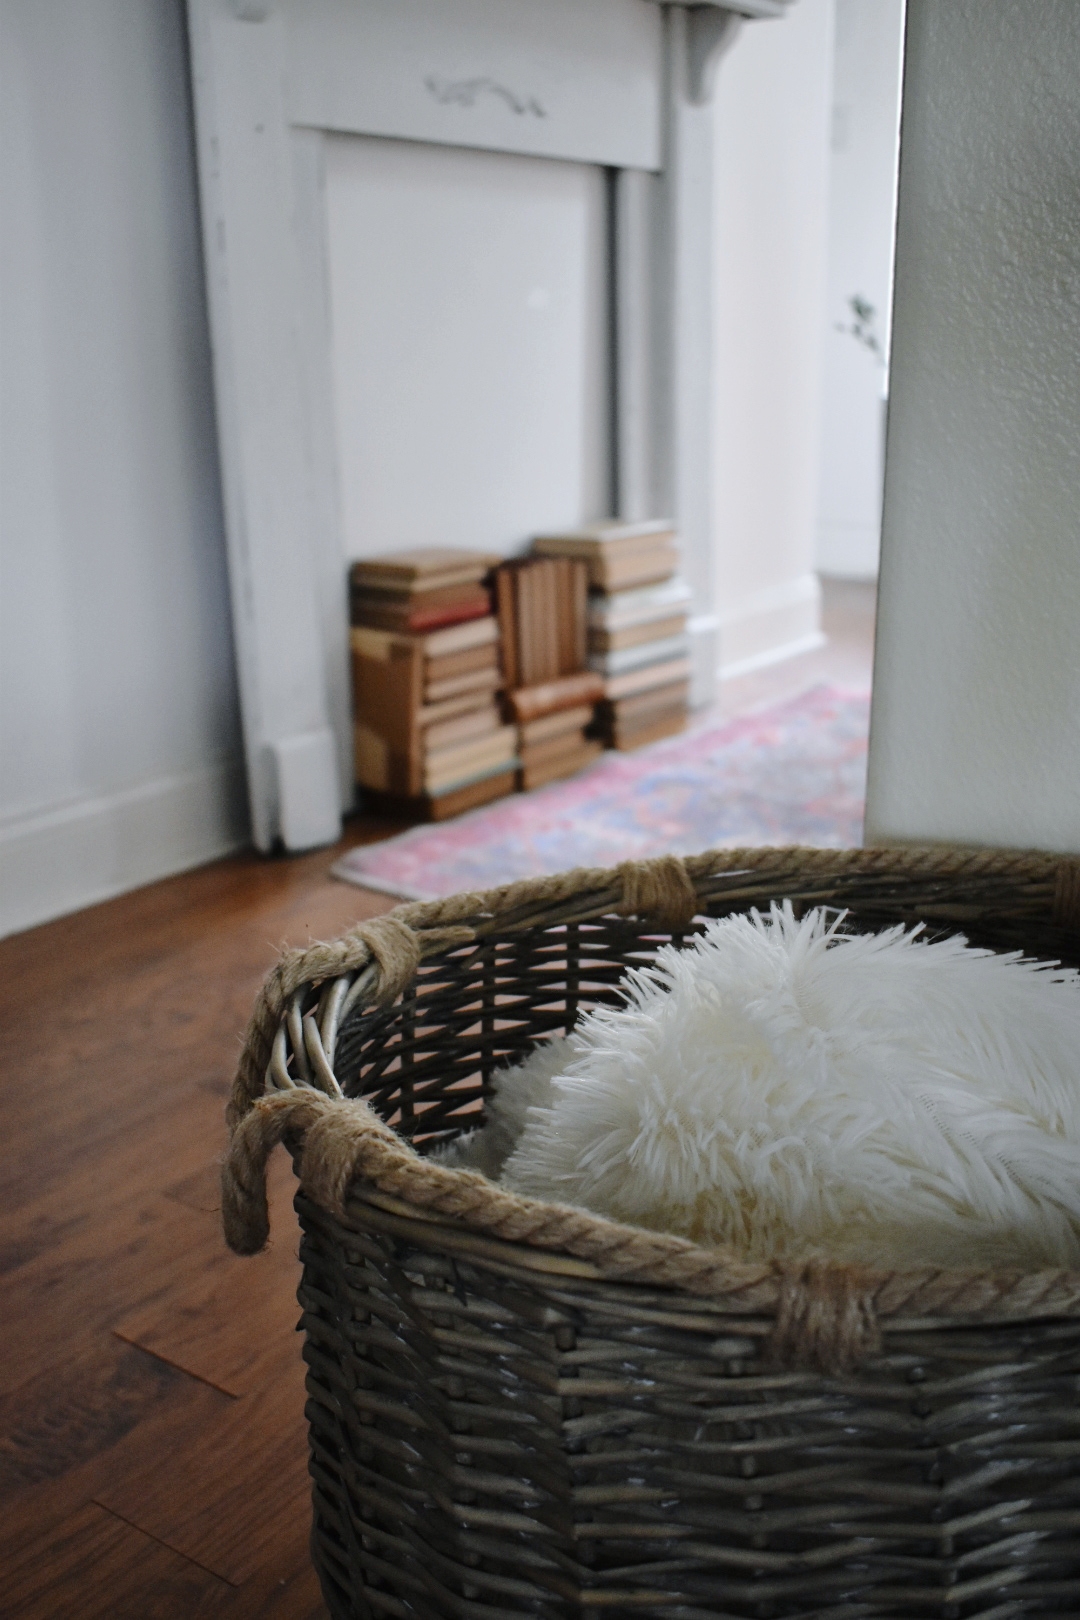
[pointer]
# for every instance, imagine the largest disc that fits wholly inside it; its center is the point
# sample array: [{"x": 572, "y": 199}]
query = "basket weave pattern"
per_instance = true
[{"x": 521, "y": 1409}]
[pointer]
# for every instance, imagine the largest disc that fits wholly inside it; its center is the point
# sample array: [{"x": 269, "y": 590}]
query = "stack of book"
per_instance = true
[
  {"x": 426, "y": 680},
  {"x": 418, "y": 591},
  {"x": 550, "y": 693},
  {"x": 636, "y": 626},
  {"x": 619, "y": 556}
]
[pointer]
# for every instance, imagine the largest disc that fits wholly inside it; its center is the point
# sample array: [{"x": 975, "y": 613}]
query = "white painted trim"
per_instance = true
[
  {"x": 770, "y": 625},
  {"x": 255, "y": 214},
  {"x": 789, "y": 593},
  {"x": 572, "y": 79},
  {"x": 59, "y": 860},
  {"x": 703, "y": 630},
  {"x": 683, "y": 280},
  {"x": 635, "y": 199},
  {"x": 773, "y": 655}
]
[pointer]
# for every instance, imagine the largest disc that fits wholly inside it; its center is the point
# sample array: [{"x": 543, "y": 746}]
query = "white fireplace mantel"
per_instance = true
[{"x": 624, "y": 84}]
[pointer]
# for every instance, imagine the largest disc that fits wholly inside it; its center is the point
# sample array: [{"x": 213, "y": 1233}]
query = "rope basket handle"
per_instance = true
[{"x": 824, "y": 1316}]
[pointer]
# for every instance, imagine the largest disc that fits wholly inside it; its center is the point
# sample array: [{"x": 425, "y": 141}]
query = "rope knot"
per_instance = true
[
  {"x": 395, "y": 947},
  {"x": 336, "y": 1147},
  {"x": 658, "y": 891},
  {"x": 336, "y": 1137},
  {"x": 825, "y": 1318},
  {"x": 1067, "y": 894}
]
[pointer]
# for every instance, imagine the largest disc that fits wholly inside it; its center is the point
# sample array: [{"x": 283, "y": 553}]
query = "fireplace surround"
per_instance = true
[{"x": 625, "y": 85}]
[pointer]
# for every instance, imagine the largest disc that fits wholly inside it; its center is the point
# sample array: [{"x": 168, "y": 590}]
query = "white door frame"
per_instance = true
[{"x": 621, "y": 83}]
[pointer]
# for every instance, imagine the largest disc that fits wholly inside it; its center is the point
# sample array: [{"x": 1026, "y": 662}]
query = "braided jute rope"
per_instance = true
[{"x": 824, "y": 1316}]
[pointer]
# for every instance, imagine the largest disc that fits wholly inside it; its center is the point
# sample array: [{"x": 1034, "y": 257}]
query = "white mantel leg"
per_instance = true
[
  {"x": 663, "y": 336},
  {"x": 685, "y": 437},
  {"x": 264, "y": 426}
]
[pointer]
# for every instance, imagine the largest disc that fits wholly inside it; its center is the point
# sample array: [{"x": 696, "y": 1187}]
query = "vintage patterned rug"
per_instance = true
[{"x": 792, "y": 773}]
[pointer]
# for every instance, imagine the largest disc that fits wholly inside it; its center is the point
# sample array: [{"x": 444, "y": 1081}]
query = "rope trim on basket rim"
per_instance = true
[{"x": 826, "y": 1316}]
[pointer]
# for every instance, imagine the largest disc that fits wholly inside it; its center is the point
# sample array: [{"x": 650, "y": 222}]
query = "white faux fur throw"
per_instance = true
[{"x": 796, "y": 1091}]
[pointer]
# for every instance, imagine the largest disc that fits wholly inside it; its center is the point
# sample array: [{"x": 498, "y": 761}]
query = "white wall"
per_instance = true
[
  {"x": 468, "y": 296},
  {"x": 975, "y": 732},
  {"x": 862, "y": 185},
  {"x": 118, "y": 720},
  {"x": 772, "y": 147}
]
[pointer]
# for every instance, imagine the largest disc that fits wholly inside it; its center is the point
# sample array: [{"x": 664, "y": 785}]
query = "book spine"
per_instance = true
[
  {"x": 529, "y": 703},
  {"x": 522, "y": 595},
  {"x": 609, "y": 545},
  {"x": 672, "y": 695},
  {"x": 550, "y": 629},
  {"x": 579, "y": 576},
  {"x": 453, "y": 801},
  {"x": 474, "y": 723},
  {"x": 477, "y": 632},
  {"x": 641, "y": 680},
  {"x": 603, "y": 641},
  {"x": 624, "y": 659},
  {"x": 504, "y": 607},
  {"x": 467, "y": 759},
  {"x": 461, "y": 663},
  {"x": 559, "y": 724},
  {"x": 631, "y": 573},
  {"x": 563, "y": 625},
  {"x": 536, "y": 776},
  {"x": 450, "y": 596},
  {"x": 418, "y": 621},
  {"x": 540, "y": 753},
  {"x": 482, "y": 680},
  {"x": 639, "y": 736},
  {"x": 386, "y": 698}
]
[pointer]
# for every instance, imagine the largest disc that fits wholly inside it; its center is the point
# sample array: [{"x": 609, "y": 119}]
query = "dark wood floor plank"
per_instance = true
[
  {"x": 73, "y": 1470},
  {"x": 96, "y": 1567},
  {"x": 227, "y": 1488},
  {"x": 56, "y": 1303},
  {"x": 240, "y": 908},
  {"x": 296, "y": 1598},
  {"x": 220, "y": 1314},
  {"x": 54, "y": 1422},
  {"x": 200, "y": 1190},
  {"x": 112, "y": 1045}
]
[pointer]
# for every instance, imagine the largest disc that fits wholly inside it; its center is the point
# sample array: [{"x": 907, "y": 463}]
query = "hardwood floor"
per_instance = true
[{"x": 152, "y": 1436}]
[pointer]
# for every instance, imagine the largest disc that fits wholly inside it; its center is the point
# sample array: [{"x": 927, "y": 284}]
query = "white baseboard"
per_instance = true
[
  {"x": 61, "y": 859},
  {"x": 773, "y": 655},
  {"x": 771, "y": 625}
]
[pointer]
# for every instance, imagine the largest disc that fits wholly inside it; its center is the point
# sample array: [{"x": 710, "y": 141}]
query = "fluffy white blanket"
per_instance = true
[{"x": 796, "y": 1091}]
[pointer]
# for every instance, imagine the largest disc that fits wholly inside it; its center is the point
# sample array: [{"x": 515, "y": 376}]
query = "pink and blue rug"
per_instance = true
[{"x": 793, "y": 773}]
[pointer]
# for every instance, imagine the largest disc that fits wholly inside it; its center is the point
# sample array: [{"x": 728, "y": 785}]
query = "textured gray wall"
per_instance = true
[{"x": 976, "y": 720}]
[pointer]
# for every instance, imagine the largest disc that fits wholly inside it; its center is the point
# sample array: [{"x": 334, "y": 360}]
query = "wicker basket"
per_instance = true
[{"x": 521, "y": 1409}]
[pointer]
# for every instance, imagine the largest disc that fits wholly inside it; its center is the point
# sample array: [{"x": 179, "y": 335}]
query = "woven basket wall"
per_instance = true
[{"x": 517, "y": 1409}]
